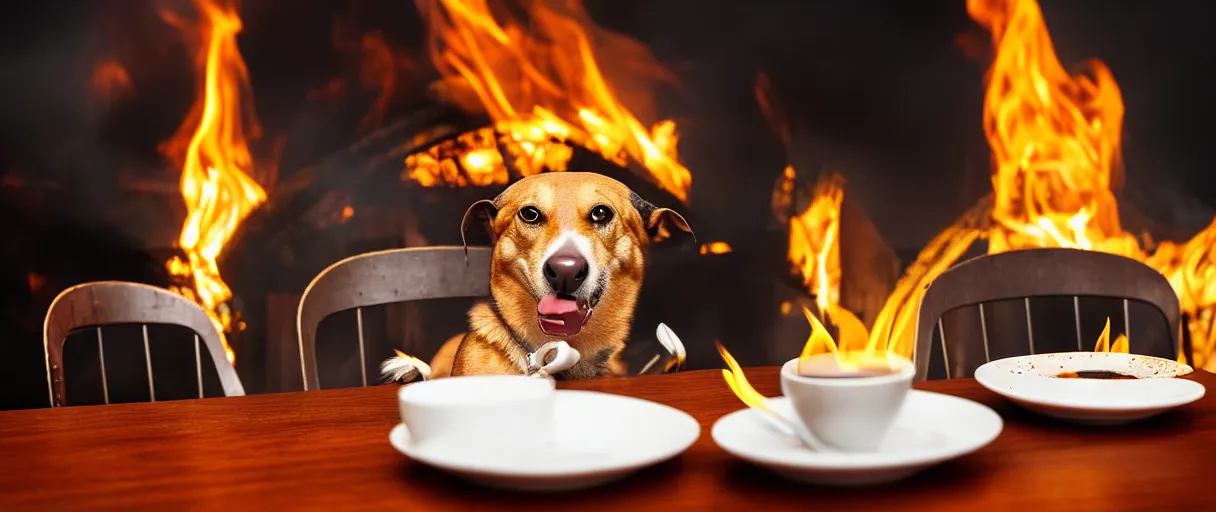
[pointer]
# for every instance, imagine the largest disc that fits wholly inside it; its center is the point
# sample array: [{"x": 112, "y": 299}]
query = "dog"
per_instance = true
[{"x": 565, "y": 245}]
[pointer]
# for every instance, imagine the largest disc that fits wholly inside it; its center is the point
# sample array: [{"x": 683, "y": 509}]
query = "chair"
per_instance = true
[
  {"x": 114, "y": 302},
  {"x": 1030, "y": 273},
  {"x": 386, "y": 277}
]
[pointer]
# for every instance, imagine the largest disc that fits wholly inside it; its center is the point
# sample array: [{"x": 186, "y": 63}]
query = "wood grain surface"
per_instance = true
[{"x": 329, "y": 450}]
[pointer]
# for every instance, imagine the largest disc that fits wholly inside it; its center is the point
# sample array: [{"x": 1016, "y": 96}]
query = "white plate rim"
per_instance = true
[
  {"x": 591, "y": 469},
  {"x": 987, "y": 376},
  {"x": 867, "y": 461}
]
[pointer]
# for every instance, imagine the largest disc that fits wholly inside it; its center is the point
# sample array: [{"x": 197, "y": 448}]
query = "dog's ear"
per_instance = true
[
  {"x": 661, "y": 223},
  {"x": 481, "y": 214}
]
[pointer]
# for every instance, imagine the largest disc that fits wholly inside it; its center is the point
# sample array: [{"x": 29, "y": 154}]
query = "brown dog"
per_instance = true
[{"x": 566, "y": 244}]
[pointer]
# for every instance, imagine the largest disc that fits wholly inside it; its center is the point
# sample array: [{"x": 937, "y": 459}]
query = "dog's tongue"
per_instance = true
[
  {"x": 552, "y": 305},
  {"x": 561, "y": 316}
]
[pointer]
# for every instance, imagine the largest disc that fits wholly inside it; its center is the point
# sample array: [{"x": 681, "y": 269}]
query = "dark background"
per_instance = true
[{"x": 879, "y": 90}]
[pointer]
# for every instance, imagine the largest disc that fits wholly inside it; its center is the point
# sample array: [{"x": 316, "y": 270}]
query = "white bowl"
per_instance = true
[{"x": 1033, "y": 382}]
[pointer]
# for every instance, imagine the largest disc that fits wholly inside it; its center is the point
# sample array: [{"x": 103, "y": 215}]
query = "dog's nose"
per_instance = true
[{"x": 565, "y": 270}]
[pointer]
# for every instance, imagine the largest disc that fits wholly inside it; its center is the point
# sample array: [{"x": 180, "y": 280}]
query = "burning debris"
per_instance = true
[{"x": 541, "y": 79}]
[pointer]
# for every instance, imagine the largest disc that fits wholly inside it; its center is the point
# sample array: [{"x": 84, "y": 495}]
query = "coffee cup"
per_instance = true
[
  {"x": 483, "y": 412},
  {"x": 847, "y": 408}
]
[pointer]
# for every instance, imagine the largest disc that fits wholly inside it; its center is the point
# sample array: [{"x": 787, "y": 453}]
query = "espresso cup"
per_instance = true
[
  {"x": 848, "y": 411},
  {"x": 483, "y": 412}
]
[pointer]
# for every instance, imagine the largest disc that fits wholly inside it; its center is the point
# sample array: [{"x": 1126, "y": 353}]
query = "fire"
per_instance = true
[
  {"x": 1104, "y": 344},
  {"x": 1055, "y": 140},
  {"x": 541, "y": 79},
  {"x": 853, "y": 333},
  {"x": 738, "y": 382},
  {"x": 715, "y": 248},
  {"x": 814, "y": 240},
  {"x": 215, "y": 159}
]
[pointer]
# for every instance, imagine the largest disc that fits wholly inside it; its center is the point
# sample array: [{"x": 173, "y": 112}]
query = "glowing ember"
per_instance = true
[
  {"x": 1104, "y": 344},
  {"x": 715, "y": 248},
  {"x": 1055, "y": 142},
  {"x": 211, "y": 145},
  {"x": 540, "y": 78}
]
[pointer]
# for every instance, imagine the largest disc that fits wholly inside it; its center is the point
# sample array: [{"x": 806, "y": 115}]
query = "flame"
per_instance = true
[
  {"x": 820, "y": 341},
  {"x": 814, "y": 240},
  {"x": 1104, "y": 344},
  {"x": 211, "y": 142},
  {"x": 715, "y": 248},
  {"x": 541, "y": 79},
  {"x": 738, "y": 382},
  {"x": 855, "y": 352},
  {"x": 1055, "y": 141}
]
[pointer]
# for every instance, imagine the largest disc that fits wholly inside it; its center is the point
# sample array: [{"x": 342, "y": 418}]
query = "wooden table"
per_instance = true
[{"x": 330, "y": 450}]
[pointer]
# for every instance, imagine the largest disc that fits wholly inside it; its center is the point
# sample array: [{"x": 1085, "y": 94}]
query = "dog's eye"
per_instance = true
[
  {"x": 529, "y": 214},
  {"x": 600, "y": 215}
]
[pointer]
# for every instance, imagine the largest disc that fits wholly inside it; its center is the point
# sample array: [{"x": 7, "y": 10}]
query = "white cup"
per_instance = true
[
  {"x": 846, "y": 413},
  {"x": 481, "y": 412}
]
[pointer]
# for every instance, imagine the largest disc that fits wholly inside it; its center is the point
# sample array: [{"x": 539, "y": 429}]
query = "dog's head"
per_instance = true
[{"x": 567, "y": 244}]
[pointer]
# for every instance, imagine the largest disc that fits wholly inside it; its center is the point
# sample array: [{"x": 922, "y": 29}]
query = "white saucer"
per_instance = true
[
  {"x": 600, "y": 437},
  {"x": 1030, "y": 381},
  {"x": 930, "y": 428}
]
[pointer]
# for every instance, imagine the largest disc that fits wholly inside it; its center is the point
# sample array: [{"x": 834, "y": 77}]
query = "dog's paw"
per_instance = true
[{"x": 404, "y": 369}]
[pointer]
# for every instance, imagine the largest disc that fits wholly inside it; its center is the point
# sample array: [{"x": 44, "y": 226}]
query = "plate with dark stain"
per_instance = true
[{"x": 1092, "y": 387}]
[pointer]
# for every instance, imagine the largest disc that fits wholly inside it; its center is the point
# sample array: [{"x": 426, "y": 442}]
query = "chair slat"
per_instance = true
[
  {"x": 941, "y": 330},
  {"x": 198, "y": 366},
  {"x": 148, "y": 361},
  {"x": 984, "y": 332},
  {"x": 1127, "y": 324},
  {"x": 1029, "y": 327},
  {"x": 101, "y": 358},
  {"x": 1076, "y": 314},
  {"x": 362, "y": 355}
]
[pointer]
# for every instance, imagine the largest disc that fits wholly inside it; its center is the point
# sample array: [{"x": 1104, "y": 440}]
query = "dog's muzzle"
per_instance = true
[{"x": 562, "y": 312}]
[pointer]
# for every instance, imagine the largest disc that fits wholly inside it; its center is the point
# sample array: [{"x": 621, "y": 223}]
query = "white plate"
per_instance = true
[
  {"x": 1030, "y": 381},
  {"x": 931, "y": 428},
  {"x": 600, "y": 437}
]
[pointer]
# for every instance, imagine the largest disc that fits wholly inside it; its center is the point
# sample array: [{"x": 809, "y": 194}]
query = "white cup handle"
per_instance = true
[{"x": 565, "y": 357}]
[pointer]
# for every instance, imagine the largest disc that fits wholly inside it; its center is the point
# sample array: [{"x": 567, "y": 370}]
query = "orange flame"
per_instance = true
[
  {"x": 872, "y": 357},
  {"x": 541, "y": 79},
  {"x": 1121, "y": 344},
  {"x": 211, "y": 143},
  {"x": 814, "y": 240},
  {"x": 1055, "y": 142},
  {"x": 738, "y": 382},
  {"x": 855, "y": 352}
]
